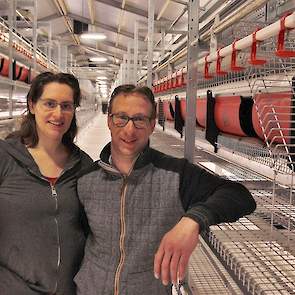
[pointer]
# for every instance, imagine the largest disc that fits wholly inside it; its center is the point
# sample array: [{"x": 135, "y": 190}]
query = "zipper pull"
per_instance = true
[{"x": 53, "y": 190}]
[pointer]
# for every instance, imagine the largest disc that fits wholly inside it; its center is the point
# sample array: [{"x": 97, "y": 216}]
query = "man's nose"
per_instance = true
[{"x": 130, "y": 126}]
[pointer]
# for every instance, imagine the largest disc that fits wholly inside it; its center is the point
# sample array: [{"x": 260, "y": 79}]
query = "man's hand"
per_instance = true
[{"x": 175, "y": 249}]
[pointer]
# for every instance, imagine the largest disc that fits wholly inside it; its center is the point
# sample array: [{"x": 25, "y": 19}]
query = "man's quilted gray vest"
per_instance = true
[{"x": 152, "y": 207}]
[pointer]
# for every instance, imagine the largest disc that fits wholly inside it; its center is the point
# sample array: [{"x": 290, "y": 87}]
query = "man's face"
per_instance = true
[{"x": 129, "y": 141}]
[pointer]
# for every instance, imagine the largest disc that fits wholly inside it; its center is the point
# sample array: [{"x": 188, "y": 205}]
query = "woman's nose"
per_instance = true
[{"x": 58, "y": 110}]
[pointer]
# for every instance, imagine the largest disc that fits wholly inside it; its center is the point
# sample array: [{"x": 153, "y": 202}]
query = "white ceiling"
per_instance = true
[{"x": 116, "y": 19}]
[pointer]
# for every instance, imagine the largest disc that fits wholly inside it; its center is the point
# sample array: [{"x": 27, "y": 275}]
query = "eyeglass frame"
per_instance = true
[
  {"x": 130, "y": 119},
  {"x": 55, "y": 104}
]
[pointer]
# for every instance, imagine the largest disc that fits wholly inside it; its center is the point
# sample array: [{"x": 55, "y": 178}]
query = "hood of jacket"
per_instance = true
[{"x": 16, "y": 149}]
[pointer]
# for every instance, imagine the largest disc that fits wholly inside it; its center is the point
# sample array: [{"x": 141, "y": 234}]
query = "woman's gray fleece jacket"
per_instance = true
[{"x": 41, "y": 233}]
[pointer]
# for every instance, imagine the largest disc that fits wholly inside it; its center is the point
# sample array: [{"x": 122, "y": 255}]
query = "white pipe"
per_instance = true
[{"x": 246, "y": 42}]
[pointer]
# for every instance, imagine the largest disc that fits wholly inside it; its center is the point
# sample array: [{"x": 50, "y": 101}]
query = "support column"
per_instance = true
[
  {"x": 128, "y": 72},
  {"x": 151, "y": 17},
  {"x": 163, "y": 33},
  {"x": 35, "y": 37},
  {"x": 170, "y": 69},
  {"x": 50, "y": 45},
  {"x": 124, "y": 69},
  {"x": 65, "y": 58},
  {"x": 12, "y": 22},
  {"x": 59, "y": 55},
  {"x": 135, "y": 59},
  {"x": 191, "y": 88}
]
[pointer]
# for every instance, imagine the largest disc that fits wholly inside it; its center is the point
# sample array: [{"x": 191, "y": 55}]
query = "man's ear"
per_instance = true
[
  {"x": 153, "y": 124},
  {"x": 31, "y": 106},
  {"x": 109, "y": 122}
]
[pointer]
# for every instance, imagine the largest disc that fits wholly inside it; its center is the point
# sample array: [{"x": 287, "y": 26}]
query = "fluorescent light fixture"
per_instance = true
[
  {"x": 98, "y": 58},
  {"x": 101, "y": 78},
  {"x": 93, "y": 36}
]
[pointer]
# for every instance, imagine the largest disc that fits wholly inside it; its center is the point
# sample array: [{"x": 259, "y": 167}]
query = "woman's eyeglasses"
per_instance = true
[{"x": 51, "y": 104}]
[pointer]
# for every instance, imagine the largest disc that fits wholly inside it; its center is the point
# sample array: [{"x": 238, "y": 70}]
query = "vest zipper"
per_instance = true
[
  {"x": 54, "y": 195},
  {"x": 122, "y": 237}
]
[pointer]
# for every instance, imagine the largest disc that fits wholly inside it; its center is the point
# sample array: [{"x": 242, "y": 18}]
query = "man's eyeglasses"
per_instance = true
[
  {"x": 140, "y": 122},
  {"x": 51, "y": 104}
]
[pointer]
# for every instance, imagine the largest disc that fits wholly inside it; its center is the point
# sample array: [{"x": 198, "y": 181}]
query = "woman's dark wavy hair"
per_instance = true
[{"x": 28, "y": 131}]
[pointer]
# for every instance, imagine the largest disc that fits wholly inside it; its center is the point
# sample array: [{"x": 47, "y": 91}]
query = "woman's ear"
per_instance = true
[{"x": 31, "y": 106}]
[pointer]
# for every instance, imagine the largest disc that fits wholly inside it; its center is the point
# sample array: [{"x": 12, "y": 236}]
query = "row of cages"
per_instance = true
[
  {"x": 19, "y": 71},
  {"x": 18, "y": 106},
  {"x": 269, "y": 116},
  {"x": 23, "y": 47},
  {"x": 266, "y": 118},
  {"x": 22, "y": 50}
]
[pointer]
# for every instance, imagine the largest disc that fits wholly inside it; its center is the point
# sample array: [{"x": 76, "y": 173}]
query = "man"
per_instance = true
[{"x": 146, "y": 209}]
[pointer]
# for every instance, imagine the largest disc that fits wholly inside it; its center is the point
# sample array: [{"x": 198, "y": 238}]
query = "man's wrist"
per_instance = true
[{"x": 190, "y": 224}]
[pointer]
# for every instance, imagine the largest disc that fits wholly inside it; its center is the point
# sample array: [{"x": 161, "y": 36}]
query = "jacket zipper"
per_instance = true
[
  {"x": 54, "y": 195},
  {"x": 122, "y": 237}
]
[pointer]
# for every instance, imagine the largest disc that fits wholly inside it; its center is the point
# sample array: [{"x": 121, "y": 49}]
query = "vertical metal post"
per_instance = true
[
  {"x": 62, "y": 57},
  {"x": 151, "y": 17},
  {"x": 135, "y": 59},
  {"x": 59, "y": 55},
  {"x": 162, "y": 43},
  {"x": 121, "y": 73},
  {"x": 140, "y": 63},
  {"x": 65, "y": 58},
  {"x": 169, "y": 69},
  {"x": 11, "y": 19},
  {"x": 50, "y": 44},
  {"x": 191, "y": 88},
  {"x": 128, "y": 72},
  {"x": 35, "y": 37},
  {"x": 124, "y": 68}
]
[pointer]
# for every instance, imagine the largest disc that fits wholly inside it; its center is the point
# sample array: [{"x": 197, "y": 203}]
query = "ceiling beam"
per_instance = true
[
  {"x": 210, "y": 10},
  {"x": 63, "y": 10},
  {"x": 115, "y": 46},
  {"x": 127, "y": 7},
  {"x": 50, "y": 17},
  {"x": 180, "y": 2},
  {"x": 163, "y": 9},
  {"x": 91, "y": 9},
  {"x": 103, "y": 26},
  {"x": 99, "y": 51}
]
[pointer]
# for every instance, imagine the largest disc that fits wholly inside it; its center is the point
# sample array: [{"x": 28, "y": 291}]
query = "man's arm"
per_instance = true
[{"x": 207, "y": 199}]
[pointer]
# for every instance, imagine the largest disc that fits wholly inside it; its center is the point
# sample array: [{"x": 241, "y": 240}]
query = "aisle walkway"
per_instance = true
[{"x": 94, "y": 136}]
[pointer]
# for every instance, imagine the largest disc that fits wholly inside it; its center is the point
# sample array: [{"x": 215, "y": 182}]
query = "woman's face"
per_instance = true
[{"x": 53, "y": 111}]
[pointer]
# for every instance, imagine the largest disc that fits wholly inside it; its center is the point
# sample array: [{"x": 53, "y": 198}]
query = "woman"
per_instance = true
[{"x": 41, "y": 233}]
